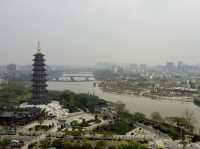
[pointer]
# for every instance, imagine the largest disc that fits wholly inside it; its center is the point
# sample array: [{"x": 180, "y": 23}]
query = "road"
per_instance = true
[
  {"x": 162, "y": 136},
  {"x": 159, "y": 134},
  {"x": 41, "y": 137}
]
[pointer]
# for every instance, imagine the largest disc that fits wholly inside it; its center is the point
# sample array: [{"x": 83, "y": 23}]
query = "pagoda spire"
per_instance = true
[{"x": 38, "y": 47}]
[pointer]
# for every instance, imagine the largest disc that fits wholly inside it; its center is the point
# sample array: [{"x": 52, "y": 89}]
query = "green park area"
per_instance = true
[{"x": 15, "y": 94}]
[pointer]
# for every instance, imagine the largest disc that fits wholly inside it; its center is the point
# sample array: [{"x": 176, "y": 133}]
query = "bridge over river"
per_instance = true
[{"x": 78, "y": 77}]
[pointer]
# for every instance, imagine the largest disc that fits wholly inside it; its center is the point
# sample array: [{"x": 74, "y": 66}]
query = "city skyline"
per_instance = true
[{"x": 99, "y": 74}]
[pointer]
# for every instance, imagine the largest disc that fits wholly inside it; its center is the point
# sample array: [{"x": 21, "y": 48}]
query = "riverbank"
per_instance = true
[
  {"x": 134, "y": 102},
  {"x": 147, "y": 93}
]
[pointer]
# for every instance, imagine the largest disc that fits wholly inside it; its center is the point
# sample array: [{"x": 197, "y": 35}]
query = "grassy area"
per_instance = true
[{"x": 123, "y": 124}]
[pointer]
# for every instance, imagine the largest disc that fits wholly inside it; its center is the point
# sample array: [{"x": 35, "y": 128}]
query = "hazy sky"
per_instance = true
[{"x": 88, "y": 31}]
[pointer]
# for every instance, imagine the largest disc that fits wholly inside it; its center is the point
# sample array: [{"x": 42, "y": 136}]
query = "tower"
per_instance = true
[{"x": 39, "y": 79}]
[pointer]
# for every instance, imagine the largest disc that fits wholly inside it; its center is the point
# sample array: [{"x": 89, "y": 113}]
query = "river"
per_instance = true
[{"x": 133, "y": 103}]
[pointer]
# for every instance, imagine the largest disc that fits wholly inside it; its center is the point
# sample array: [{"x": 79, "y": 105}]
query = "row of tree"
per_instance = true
[
  {"x": 187, "y": 121},
  {"x": 64, "y": 144},
  {"x": 16, "y": 93}
]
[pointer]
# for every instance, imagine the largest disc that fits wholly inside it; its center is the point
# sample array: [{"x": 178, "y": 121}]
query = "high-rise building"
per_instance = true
[
  {"x": 180, "y": 66},
  {"x": 39, "y": 79},
  {"x": 11, "y": 72},
  {"x": 170, "y": 66}
]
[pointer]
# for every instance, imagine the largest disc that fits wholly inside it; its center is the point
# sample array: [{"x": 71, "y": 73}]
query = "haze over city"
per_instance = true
[
  {"x": 85, "y": 32},
  {"x": 99, "y": 74}
]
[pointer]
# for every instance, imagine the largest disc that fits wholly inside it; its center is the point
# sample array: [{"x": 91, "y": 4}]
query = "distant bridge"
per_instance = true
[
  {"x": 74, "y": 77},
  {"x": 78, "y": 75}
]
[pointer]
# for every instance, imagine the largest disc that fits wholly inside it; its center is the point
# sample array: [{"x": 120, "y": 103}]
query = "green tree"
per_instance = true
[
  {"x": 132, "y": 145},
  {"x": 156, "y": 116},
  {"x": 119, "y": 107},
  {"x": 45, "y": 144},
  {"x": 76, "y": 133},
  {"x": 57, "y": 143},
  {"x": 4, "y": 143},
  {"x": 77, "y": 146},
  {"x": 101, "y": 145},
  {"x": 84, "y": 123},
  {"x": 190, "y": 119},
  {"x": 32, "y": 145},
  {"x": 87, "y": 145},
  {"x": 67, "y": 145},
  {"x": 139, "y": 116},
  {"x": 112, "y": 147},
  {"x": 96, "y": 118}
]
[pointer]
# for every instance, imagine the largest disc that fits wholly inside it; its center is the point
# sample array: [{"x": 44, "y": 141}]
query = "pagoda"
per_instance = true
[{"x": 39, "y": 79}]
